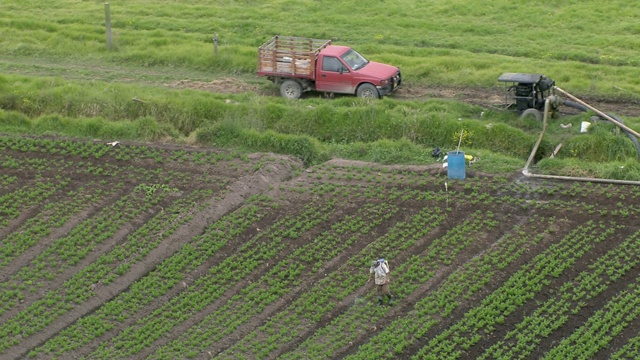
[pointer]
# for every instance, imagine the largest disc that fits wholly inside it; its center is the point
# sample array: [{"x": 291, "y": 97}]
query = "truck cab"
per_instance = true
[{"x": 343, "y": 70}]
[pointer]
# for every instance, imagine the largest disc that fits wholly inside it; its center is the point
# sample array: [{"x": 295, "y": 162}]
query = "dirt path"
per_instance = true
[{"x": 178, "y": 78}]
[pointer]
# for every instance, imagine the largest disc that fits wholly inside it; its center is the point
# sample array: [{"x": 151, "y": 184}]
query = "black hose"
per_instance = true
[
  {"x": 630, "y": 135},
  {"x": 580, "y": 107},
  {"x": 574, "y": 105}
]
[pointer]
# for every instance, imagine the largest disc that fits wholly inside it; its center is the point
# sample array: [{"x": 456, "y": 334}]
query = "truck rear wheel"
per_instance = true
[
  {"x": 291, "y": 89},
  {"x": 368, "y": 91}
]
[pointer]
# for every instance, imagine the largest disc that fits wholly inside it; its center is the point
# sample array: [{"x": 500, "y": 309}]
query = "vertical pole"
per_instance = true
[
  {"x": 215, "y": 43},
  {"x": 107, "y": 15}
]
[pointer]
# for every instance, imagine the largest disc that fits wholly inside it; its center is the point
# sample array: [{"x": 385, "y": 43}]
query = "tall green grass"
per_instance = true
[
  {"x": 588, "y": 45},
  {"x": 315, "y": 129},
  {"x": 146, "y": 128}
]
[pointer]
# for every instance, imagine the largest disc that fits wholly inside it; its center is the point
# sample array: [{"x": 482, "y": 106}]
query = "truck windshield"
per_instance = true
[{"x": 354, "y": 59}]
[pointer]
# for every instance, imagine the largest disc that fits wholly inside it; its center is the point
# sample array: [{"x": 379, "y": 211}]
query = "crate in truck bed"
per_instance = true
[{"x": 289, "y": 56}]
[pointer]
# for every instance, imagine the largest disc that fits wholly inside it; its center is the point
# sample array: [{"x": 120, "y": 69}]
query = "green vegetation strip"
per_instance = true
[
  {"x": 459, "y": 287},
  {"x": 518, "y": 289},
  {"x": 281, "y": 279},
  {"x": 263, "y": 247},
  {"x": 600, "y": 329},
  {"x": 336, "y": 287},
  {"x": 570, "y": 299},
  {"x": 65, "y": 252},
  {"x": 630, "y": 351},
  {"x": 166, "y": 275},
  {"x": 417, "y": 270},
  {"x": 54, "y": 215},
  {"x": 33, "y": 192}
]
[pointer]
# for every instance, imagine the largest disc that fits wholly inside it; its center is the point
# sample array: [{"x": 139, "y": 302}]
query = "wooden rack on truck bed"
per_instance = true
[{"x": 288, "y": 55}]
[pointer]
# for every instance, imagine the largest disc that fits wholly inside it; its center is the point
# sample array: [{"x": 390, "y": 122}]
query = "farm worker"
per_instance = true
[{"x": 380, "y": 272}]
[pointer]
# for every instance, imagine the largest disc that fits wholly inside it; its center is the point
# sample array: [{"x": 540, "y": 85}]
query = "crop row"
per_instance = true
[
  {"x": 417, "y": 188},
  {"x": 601, "y": 327},
  {"x": 145, "y": 164},
  {"x": 459, "y": 287},
  {"x": 30, "y": 194},
  {"x": 408, "y": 276},
  {"x": 545, "y": 195},
  {"x": 53, "y": 215},
  {"x": 475, "y": 194},
  {"x": 630, "y": 351},
  {"x": 6, "y": 180},
  {"x": 303, "y": 263},
  {"x": 106, "y": 174},
  {"x": 97, "y": 150},
  {"x": 261, "y": 249},
  {"x": 288, "y": 325},
  {"x": 497, "y": 186},
  {"x": 570, "y": 299},
  {"x": 165, "y": 276},
  {"x": 517, "y": 290},
  {"x": 28, "y": 163},
  {"x": 53, "y": 261}
]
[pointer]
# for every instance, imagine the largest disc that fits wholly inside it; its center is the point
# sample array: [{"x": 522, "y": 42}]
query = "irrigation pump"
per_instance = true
[{"x": 527, "y": 94}]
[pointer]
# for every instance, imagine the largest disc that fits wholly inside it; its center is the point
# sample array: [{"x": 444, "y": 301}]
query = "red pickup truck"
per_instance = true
[{"x": 298, "y": 65}]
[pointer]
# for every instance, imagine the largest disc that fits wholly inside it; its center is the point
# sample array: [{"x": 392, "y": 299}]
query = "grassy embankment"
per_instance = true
[{"x": 59, "y": 78}]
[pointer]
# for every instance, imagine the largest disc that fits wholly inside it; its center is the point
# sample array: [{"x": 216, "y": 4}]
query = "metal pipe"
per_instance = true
[
  {"x": 600, "y": 113},
  {"x": 526, "y": 172}
]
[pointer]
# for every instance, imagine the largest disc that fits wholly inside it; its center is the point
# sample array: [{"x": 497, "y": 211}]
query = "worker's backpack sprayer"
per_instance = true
[{"x": 384, "y": 262}]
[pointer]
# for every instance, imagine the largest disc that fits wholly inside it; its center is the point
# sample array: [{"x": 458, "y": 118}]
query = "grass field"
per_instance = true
[{"x": 585, "y": 46}]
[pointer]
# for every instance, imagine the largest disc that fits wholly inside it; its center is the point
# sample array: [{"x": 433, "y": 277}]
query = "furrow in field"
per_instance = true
[{"x": 515, "y": 292}]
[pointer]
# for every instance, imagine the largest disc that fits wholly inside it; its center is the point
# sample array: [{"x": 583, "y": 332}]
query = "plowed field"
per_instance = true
[{"x": 148, "y": 251}]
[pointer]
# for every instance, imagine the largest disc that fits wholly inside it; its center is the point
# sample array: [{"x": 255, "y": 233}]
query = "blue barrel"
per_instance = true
[{"x": 456, "y": 165}]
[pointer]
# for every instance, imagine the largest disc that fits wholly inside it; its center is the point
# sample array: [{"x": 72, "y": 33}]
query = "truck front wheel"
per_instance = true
[
  {"x": 368, "y": 91},
  {"x": 291, "y": 89}
]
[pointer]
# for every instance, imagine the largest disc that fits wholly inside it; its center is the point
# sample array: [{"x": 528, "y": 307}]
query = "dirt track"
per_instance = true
[{"x": 484, "y": 97}]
